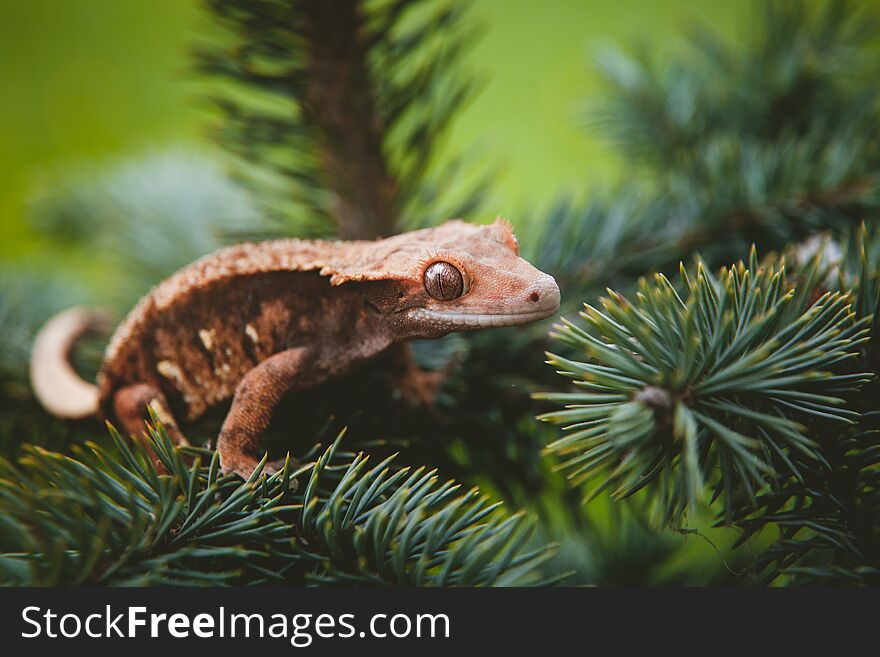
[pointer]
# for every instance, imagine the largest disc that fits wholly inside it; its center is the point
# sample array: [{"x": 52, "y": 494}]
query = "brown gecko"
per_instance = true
[{"x": 255, "y": 321}]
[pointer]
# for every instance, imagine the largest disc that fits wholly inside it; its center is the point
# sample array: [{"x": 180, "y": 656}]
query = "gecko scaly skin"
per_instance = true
[{"x": 256, "y": 321}]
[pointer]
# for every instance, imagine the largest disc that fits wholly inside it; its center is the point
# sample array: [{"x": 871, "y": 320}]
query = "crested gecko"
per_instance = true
[{"x": 255, "y": 321}]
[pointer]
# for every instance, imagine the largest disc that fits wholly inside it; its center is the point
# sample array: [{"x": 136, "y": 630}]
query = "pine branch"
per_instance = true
[
  {"x": 722, "y": 375},
  {"x": 799, "y": 70},
  {"x": 772, "y": 405},
  {"x": 421, "y": 534},
  {"x": 768, "y": 143},
  {"x": 341, "y": 105},
  {"x": 762, "y": 141},
  {"x": 828, "y": 518},
  {"x": 105, "y": 516}
]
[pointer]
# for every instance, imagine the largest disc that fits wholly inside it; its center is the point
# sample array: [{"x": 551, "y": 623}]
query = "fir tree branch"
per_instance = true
[
  {"x": 340, "y": 105},
  {"x": 720, "y": 375},
  {"x": 354, "y": 97},
  {"x": 828, "y": 518},
  {"x": 809, "y": 423},
  {"x": 422, "y": 533},
  {"x": 105, "y": 516},
  {"x": 763, "y": 141}
]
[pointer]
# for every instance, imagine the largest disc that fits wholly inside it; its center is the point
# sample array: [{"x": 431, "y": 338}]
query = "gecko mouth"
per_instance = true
[{"x": 483, "y": 320}]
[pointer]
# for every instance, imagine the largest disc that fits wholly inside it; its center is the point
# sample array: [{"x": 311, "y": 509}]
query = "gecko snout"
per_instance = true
[{"x": 544, "y": 295}]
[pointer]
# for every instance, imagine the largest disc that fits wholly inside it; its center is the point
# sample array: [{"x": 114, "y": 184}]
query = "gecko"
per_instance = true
[{"x": 256, "y": 321}]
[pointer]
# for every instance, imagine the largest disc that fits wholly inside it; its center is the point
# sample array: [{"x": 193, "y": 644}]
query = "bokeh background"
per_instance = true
[{"x": 100, "y": 80}]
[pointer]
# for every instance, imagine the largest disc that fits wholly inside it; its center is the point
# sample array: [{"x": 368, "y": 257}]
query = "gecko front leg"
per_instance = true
[
  {"x": 416, "y": 385},
  {"x": 255, "y": 398}
]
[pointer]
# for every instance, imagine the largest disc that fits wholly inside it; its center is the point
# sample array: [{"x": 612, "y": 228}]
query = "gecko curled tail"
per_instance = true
[{"x": 56, "y": 385}]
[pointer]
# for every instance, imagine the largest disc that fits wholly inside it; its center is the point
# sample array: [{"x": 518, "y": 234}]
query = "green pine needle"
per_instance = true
[
  {"x": 106, "y": 516},
  {"x": 716, "y": 380}
]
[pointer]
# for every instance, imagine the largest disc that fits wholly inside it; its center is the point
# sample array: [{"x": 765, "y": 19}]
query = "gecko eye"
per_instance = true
[{"x": 443, "y": 281}]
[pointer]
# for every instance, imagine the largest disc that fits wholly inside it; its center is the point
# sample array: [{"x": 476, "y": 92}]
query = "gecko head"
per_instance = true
[{"x": 461, "y": 276}]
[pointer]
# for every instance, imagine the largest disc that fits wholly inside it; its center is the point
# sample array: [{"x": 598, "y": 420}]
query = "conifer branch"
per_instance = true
[
  {"x": 105, "y": 516},
  {"x": 828, "y": 519},
  {"x": 723, "y": 374},
  {"x": 757, "y": 386},
  {"x": 341, "y": 103},
  {"x": 765, "y": 140}
]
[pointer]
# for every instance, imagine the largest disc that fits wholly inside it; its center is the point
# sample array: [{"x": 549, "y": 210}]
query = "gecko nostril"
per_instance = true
[{"x": 534, "y": 296}]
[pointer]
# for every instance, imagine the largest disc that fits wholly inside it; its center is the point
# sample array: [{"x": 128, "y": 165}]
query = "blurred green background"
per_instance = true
[{"x": 100, "y": 79}]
